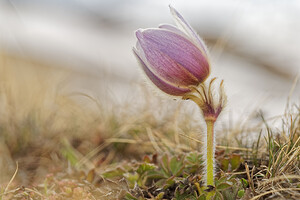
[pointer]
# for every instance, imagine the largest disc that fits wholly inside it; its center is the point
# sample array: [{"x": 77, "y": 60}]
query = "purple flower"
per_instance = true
[{"x": 173, "y": 58}]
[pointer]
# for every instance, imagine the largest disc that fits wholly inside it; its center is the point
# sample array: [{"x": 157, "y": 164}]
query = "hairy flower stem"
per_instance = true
[
  {"x": 210, "y": 152},
  {"x": 211, "y": 107}
]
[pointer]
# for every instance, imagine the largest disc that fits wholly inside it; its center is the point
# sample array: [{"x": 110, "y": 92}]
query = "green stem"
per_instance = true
[{"x": 210, "y": 153}]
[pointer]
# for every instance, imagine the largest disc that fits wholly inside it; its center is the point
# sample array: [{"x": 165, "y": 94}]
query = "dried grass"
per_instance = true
[{"x": 47, "y": 130}]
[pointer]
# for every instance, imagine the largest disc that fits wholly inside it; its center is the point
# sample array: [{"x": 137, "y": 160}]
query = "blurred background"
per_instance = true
[
  {"x": 85, "y": 47},
  {"x": 254, "y": 45}
]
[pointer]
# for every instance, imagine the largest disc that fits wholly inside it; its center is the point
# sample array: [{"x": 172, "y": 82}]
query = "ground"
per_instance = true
[{"x": 58, "y": 145}]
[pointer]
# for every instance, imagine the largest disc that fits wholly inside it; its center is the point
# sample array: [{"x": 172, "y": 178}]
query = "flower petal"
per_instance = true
[
  {"x": 164, "y": 86},
  {"x": 186, "y": 27},
  {"x": 173, "y": 29},
  {"x": 163, "y": 66},
  {"x": 173, "y": 57}
]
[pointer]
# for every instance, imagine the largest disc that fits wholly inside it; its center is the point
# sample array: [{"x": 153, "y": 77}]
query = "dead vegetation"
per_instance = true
[{"x": 54, "y": 146}]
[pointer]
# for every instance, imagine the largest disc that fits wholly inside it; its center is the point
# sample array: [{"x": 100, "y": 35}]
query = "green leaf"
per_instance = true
[
  {"x": 224, "y": 164},
  {"x": 218, "y": 196},
  {"x": 194, "y": 158},
  {"x": 235, "y": 161},
  {"x": 244, "y": 182},
  {"x": 156, "y": 174},
  {"x": 241, "y": 193},
  {"x": 144, "y": 167},
  {"x": 221, "y": 180},
  {"x": 132, "y": 178},
  {"x": 165, "y": 164},
  {"x": 230, "y": 194},
  {"x": 114, "y": 173},
  {"x": 69, "y": 152},
  {"x": 202, "y": 197},
  {"x": 223, "y": 186},
  {"x": 176, "y": 165},
  {"x": 169, "y": 182},
  {"x": 193, "y": 163},
  {"x": 160, "y": 196},
  {"x": 184, "y": 196}
]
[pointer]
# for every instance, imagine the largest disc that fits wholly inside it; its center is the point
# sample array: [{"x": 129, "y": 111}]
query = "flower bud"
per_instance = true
[{"x": 174, "y": 58}]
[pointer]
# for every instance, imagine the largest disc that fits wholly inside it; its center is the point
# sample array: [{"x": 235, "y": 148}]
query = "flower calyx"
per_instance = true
[{"x": 210, "y": 103}]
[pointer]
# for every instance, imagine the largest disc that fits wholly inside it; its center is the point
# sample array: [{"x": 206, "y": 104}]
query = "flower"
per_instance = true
[{"x": 174, "y": 58}]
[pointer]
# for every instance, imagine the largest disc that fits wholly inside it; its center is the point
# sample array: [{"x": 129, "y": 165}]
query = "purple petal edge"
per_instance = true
[
  {"x": 188, "y": 28},
  {"x": 162, "y": 85},
  {"x": 172, "y": 28}
]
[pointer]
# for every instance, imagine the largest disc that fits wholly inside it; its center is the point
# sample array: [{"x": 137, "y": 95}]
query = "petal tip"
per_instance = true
[
  {"x": 174, "y": 12},
  {"x": 172, "y": 9},
  {"x": 139, "y": 34}
]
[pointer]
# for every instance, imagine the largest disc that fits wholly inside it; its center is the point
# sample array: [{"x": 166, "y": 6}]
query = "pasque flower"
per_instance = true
[{"x": 174, "y": 58}]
